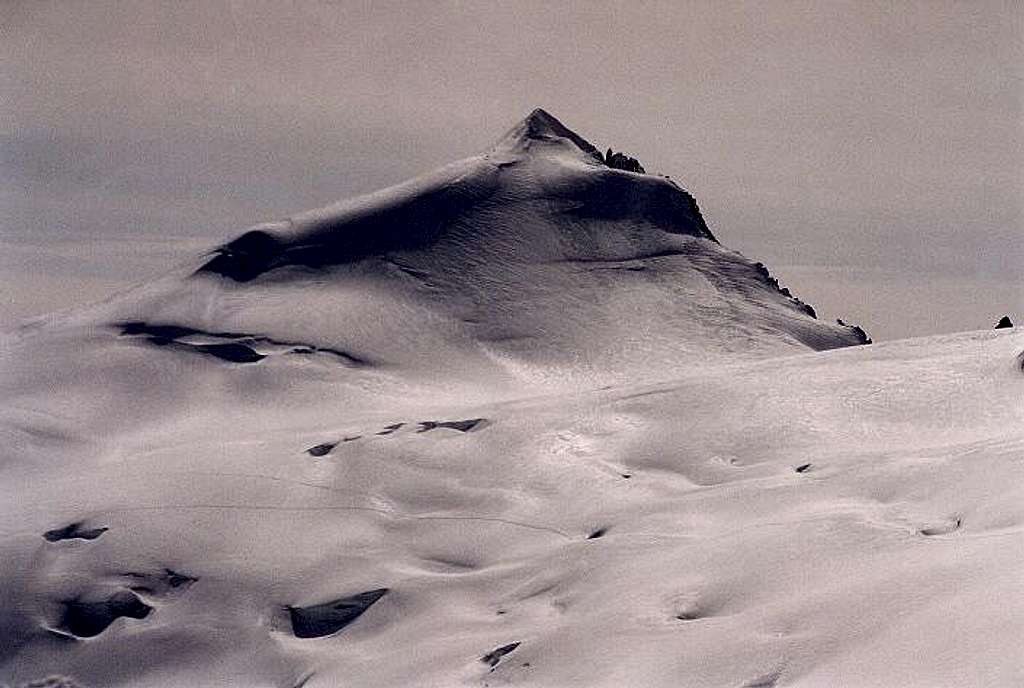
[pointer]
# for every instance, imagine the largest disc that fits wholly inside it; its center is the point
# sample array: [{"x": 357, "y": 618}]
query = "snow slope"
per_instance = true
[{"x": 522, "y": 421}]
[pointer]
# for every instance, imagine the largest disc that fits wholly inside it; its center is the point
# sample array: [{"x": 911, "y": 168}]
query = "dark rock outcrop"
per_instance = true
[
  {"x": 86, "y": 619},
  {"x": 763, "y": 271},
  {"x": 460, "y": 425},
  {"x": 319, "y": 620},
  {"x": 322, "y": 449},
  {"x": 858, "y": 330},
  {"x": 159, "y": 583},
  {"x": 74, "y": 531},
  {"x": 492, "y": 658},
  {"x": 621, "y": 161},
  {"x": 236, "y": 347}
]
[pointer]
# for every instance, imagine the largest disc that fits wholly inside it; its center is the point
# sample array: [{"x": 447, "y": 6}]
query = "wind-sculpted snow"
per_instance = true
[
  {"x": 547, "y": 446},
  {"x": 539, "y": 163}
]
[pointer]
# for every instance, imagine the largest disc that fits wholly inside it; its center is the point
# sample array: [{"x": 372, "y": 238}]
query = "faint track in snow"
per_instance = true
[{"x": 385, "y": 512}]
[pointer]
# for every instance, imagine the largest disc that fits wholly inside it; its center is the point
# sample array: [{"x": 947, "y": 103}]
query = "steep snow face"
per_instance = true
[{"x": 532, "y": 263}]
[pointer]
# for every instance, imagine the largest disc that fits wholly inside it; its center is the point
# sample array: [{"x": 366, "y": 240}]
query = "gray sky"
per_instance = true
[{"x": 871, "y": 154}]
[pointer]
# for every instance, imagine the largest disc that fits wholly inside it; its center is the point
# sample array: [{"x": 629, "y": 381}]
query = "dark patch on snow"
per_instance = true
[
  {"x": 322, "y": 449},
  {"x": 692, "y": 611},
  {"x": 177, "y": 580},
  {"x": 766, "y": 681},
  {"x": 319, "y": 620},
  {"x": 767, "y": 276},
  {"x": 621, "y": 161},
  {"x": 420, "y": 277},
  {"x": 309, "y": 349},
  {"x": 388, "y": 429},
  {"x": 617, "y": 196},
  {"x": 237, "y": 347},
  {"x": 944, "y": 529},
  {"x": 451, "y": 564},
  {"x": 862, "y": 336},
  {"x": 691, "y": 615},
  {"x": 803, "y": 468},
  {"x": 599, "y": 533},
  {"x": 159, "y": 583},
  {"x": 629, "y": 266},
  {"x": 233, "y": 353},
  {"x": 353, "y": 438},
  {"x": 74, "y": 531},
  {"x": 54, "y": 681},
  {"x": 626, "y": 262},
  {"x": 168, "y": 333},
  {"x": 246, "y": 257},
  {"x": 626, "y": 476},
  {"x": 460, "y": 425},
  {"x": 88, "y": 619},
  {"x": 304, "y": 680},
  {"x": 1004, "y": 322},
  {"x": 412, "y": 223},
  {"x": 492, "y": 658}
]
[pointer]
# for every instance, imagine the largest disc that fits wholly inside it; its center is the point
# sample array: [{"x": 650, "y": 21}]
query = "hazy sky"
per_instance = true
[{"x": 871, "y": 154}]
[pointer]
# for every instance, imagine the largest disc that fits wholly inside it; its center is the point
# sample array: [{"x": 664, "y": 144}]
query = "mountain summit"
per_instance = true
[
  {"x": 540, "y": 162},
  {"x": 541, "y": 126}
]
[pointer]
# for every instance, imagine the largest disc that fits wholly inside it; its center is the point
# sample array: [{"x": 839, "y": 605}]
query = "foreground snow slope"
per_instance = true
[
  {"x": 474, "y": 458},
  {"x": 895, "y": 558}
]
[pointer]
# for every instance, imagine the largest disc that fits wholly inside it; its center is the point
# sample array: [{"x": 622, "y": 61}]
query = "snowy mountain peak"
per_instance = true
[
  {"x": 536, "y": 263},
  {"x": 539, "y": 168},
  {"x": 542, "y": 126}
]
